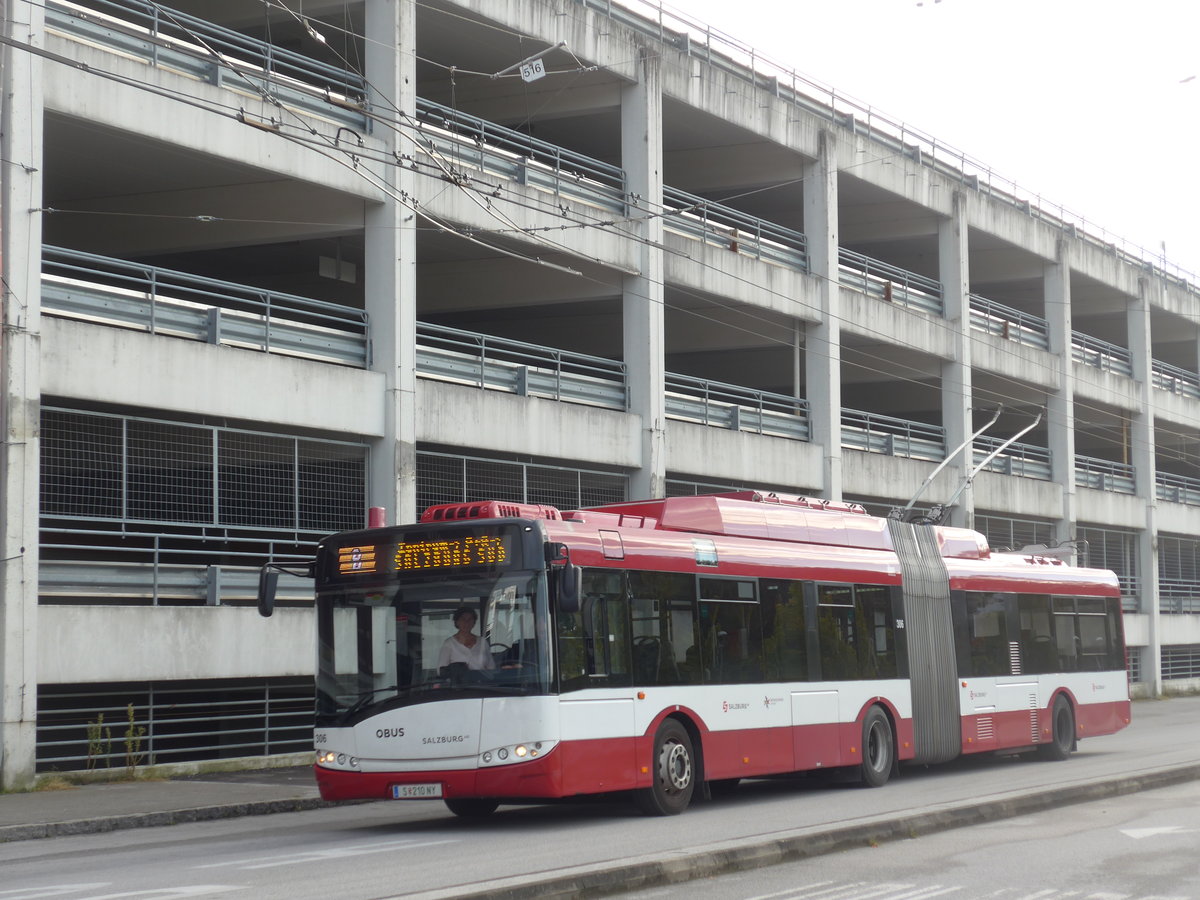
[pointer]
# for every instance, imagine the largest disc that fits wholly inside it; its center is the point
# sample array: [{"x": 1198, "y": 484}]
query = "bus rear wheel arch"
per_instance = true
[{"x": 674, "y": 770}]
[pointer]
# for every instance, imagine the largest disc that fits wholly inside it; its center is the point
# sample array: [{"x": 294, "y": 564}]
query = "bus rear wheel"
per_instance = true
[
  {"x": 1062, "y": 731},
  {"x": 878, "y": 748},
  {"x": 471, "y": 807},
  {"x": 673, "y": 771}
]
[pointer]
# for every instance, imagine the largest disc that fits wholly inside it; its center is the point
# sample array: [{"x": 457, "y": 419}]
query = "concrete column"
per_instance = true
[
  {"x": 644, "y": 332},
  {"x": 1060, "y": 404},
  {"x": 20, "y": 385},
  {"x": 390, "y": 259},
  {"x": 956, "y": 372},
  {"x": 823, "y": 342},
  {"x": 1143, "y": 459}
]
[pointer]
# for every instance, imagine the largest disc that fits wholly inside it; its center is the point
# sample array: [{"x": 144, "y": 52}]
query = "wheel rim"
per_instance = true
[{"x": 674, "y": 767}]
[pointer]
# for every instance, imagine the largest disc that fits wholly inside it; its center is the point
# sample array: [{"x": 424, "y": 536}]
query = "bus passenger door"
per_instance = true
[{"x": 815, "y": 729}]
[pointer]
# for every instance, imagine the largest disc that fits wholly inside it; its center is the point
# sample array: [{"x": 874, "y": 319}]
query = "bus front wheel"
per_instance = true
[
  {"x": 878, "y": 748},
  {"x": 471, "y": 807},
  {"x": 673, "y": 771},
  {"x": 1062, "y": 731}
]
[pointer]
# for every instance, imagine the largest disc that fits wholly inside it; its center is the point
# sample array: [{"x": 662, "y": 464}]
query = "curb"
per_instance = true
[
  {"x": 10, "y": 833},
  {"x": 602, "y": 879}
]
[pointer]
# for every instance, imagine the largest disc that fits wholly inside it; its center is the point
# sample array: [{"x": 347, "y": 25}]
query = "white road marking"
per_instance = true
[
  {"x": 52, "y": 890},
  {"x": 350, "y": 850},
  {"x": 1138, "y": 833}
]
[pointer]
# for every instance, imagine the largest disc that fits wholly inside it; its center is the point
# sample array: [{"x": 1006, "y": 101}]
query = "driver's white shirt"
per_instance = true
[{"x": 477, "y": 657}]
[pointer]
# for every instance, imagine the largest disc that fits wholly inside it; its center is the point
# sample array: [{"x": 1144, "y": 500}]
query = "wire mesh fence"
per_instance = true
[{"x": 450, "y": 478}]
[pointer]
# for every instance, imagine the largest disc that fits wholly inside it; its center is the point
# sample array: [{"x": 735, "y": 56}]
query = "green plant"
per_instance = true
[
  {"x": 99, "y": 743},
  {"x": 133, "y": 743}
]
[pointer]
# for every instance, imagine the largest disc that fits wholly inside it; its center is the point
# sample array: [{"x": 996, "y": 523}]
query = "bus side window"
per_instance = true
[
  {"x": 730, "y": 633},
  {"x": 877, "y": 648},
  {"x": 1038, "y": 653},
  {"x": 838, "y": 632},
  {"x": 785, "y": 644},
  {"x": 664, "y": 645},
  {"x": 987, "y": 634},
  {"x": 1067, "y": 638},
  {"x": 593, "y": 643}
]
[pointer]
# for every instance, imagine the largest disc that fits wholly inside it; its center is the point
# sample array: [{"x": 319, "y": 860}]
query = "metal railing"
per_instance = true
[
  {"x": 1104, "y": 475},
  {"x": 701, "y": 41},
  {"x": 1021, "y": 460},
  {"x": 1008, "y": 323},
  {"x": 1178, "y": 596},
  {"x": 530, "y": 370},
  {"x": 173, "y": 40},
  {"x": 150, "y": 567},
  {"x": 725, "y": 227},
  {"x": 1177, "y": 488},
  {"x": 456, "y": 139},
  {"x": 889, "y": 282},
  {"x": 92, "y": 288},
  {"x": 1100, "y": 354},
  {"x": 1166, "y": 377},
  {"x": 876, "y": 433},
  {"x": 734, "y": 407},
  {"x": 82, "y": 727}
]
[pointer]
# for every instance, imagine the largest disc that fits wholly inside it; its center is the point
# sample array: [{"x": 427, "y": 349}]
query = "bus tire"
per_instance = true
[
  {"x": 471, "y": 807},
  {"x": 878, "y": 749},
  {"x": 674, "y": 773},
  {"x": 1062, "y": 731}
]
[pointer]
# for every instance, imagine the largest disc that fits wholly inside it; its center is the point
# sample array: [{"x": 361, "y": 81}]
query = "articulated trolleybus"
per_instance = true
[{"x": 664, "y": 646}]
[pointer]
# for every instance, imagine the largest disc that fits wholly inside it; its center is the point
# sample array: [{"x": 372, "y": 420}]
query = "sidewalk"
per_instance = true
[{"x": 87, "y": 809}]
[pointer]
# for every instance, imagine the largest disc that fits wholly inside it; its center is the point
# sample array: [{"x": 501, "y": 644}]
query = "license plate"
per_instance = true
[{"x": 415, "y": 791}]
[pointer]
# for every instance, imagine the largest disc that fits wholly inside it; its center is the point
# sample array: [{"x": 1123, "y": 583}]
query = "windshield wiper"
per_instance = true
[{"x": 364, "y": 700}]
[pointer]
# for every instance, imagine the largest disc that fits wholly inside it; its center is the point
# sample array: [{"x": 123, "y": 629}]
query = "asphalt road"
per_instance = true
[
  {"x": 1134, "y": 847},
  {"x": 417, "y": 848}
]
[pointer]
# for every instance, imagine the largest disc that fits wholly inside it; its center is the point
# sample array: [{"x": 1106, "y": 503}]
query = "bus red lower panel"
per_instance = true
[
  {"x": 536, "y": 778},
  {"x": 988, "y": 732}
]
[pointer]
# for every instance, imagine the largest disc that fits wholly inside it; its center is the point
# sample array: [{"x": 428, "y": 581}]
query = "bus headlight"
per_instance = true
[
  {"x": 516, "y": 753},
  {"x": 326, "y": 758}
]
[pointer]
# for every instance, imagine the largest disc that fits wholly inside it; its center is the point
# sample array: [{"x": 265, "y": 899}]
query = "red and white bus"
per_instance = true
[{"x": 661, "y": 646}]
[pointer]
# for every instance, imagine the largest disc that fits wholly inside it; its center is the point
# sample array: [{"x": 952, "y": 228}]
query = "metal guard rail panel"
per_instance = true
[
  {"x": 1105, "y": 475},
  {"x": 1178, "y": 596},
  {"x": 109, "y": 291},
  {"x": 455, "y": 137},
  {"x": 1021, "y": 460},
  {"x": 171, "y": 40},
  {"x": 484, "y": 361},
  {"x": 724, "y": 226},
  {"x": 1103, "y": 355},
  {"x": 1177, "y": 488},
  {"x": 890, "y": 436},
  {"x": 1175, "y": 380},
  {"x": 155, "y": 582},
  {"x": 889, "y": 282},
  {"x": 1011, "y": 324},
  {"x": 737, "y": 408}
]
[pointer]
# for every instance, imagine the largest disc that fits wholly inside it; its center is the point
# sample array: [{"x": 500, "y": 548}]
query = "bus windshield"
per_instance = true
[{"x": 416, "y": 641}]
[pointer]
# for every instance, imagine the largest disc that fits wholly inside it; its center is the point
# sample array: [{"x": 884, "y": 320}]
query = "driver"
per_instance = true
[{"x": 463, "y": 646}]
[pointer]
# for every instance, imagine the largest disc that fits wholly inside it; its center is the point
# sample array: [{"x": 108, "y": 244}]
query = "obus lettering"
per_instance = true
[{"x": 389, "y": 732}]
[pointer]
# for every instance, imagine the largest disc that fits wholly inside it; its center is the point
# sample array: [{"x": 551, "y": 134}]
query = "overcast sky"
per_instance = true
[{"x": 1087, "y": 103}]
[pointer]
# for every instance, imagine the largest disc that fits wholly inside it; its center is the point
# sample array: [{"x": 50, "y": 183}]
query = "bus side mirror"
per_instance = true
[
  {"x": 570, "y": 588},
  {"x": 268, "y": 581}
]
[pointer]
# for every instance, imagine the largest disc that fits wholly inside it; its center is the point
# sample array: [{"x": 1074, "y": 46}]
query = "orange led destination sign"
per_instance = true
[
  {"x": 452, "y": 553},
  {"x": 356, "y": 560}
]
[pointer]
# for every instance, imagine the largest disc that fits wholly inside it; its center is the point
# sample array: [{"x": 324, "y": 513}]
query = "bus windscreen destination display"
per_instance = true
[{"x": 429, "y": 553}]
